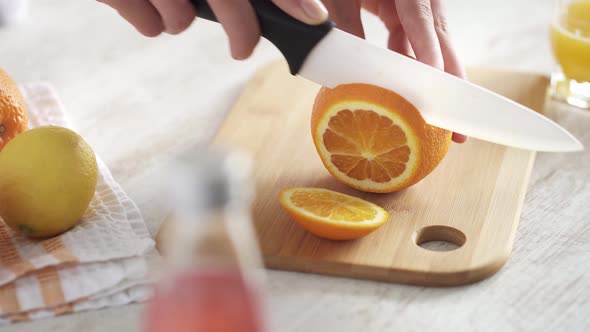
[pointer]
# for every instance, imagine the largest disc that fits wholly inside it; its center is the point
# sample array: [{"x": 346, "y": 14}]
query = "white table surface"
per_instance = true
[{"x": 136, "y": 99}]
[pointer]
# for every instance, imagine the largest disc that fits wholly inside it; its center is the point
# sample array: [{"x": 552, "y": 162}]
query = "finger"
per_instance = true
[
  {"x": 307, "y": 11},
  {"x": 347, "y": 15},
  {"x": 459, "y": 138},
  {"x": 387, "y": 12},
  {"x": 451, "y": 60},
  {"x": 240, "y": 23},
  {"x": 177, "y": 15},
  {"x": 140, "y": 13},
  {"x": 398, "y": 42},
  {"x": 372, "y": 6},
  {"x": 417, "y": 21}
]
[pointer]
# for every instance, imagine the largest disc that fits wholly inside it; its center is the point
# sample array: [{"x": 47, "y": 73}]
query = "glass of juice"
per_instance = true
[{"x": 570, "y": 40}]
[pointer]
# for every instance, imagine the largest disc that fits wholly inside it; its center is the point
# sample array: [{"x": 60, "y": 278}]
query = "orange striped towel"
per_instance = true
[{"x": 101, "y": 262}]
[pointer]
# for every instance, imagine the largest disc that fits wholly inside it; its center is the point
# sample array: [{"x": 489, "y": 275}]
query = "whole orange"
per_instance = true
[
  {"x": 13, "y": 110},
  {"x": 373, "y": 139}
]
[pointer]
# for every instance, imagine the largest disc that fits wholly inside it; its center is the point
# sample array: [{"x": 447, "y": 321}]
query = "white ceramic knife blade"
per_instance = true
[{"x": 443, "y": 100}]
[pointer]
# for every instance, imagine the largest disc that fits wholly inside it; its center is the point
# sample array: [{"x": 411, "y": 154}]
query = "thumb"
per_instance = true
[{"x": 307, "y": 11}]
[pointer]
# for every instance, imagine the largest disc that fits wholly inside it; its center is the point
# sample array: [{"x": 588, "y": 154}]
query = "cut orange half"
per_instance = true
[
  {"x": 373, "y": 139},
  {"x": 332, "y": 215}
]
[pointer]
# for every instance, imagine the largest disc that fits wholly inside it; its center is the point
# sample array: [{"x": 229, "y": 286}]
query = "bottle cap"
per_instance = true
[{"x": 203, "y": 179}]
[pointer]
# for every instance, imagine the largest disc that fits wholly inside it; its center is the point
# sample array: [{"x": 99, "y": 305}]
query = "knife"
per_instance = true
[{"x": 330, "y": 57}]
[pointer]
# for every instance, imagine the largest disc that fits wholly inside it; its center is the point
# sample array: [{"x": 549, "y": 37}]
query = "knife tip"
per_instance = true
[
  {"x": 578, "y": 146},
  {"x": 573, "y": 145}
]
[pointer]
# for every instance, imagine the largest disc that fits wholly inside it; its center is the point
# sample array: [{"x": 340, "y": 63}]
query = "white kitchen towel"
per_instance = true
[{"x": 101, "y": 262}]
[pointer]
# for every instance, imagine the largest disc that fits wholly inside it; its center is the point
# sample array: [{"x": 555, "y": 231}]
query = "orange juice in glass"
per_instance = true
[{"x": 570, "y": 39}]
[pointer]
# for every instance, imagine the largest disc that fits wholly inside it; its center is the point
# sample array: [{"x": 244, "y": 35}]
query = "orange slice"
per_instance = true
[
  {"x": 373, "y": 139},
  {"x": 332, "y": 215}
]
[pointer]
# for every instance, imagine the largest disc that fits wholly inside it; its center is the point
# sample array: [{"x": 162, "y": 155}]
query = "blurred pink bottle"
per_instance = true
[
  {"x": 213, "y": 266},
  {"x": 214, "y": 301}
]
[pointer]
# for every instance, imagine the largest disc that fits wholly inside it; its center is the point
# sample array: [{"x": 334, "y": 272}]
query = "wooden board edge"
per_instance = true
[{"x": 416, "y": 278}]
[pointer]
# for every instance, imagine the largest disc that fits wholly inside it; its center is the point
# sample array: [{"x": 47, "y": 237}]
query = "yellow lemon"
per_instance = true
[{"x": 48, "y": 177}]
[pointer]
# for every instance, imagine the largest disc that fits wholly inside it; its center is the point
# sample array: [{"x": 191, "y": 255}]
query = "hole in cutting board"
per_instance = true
[{"x": 440, "y": 238}]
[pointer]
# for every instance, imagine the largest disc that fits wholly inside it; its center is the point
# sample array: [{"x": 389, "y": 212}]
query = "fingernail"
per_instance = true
[{"x": 315, "y": 11}]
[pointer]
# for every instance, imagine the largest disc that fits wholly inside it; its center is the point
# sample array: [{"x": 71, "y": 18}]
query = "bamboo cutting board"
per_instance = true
[{"x": 473, "y": 199}]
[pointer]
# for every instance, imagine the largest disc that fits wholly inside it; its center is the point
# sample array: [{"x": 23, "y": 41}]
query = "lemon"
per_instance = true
[{"x": 48, "y": 177}]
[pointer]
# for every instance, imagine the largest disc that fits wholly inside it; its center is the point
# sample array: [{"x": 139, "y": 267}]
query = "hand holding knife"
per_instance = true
[{"x": 330, "y": 57}]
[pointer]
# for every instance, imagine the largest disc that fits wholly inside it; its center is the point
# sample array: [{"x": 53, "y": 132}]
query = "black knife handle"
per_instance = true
[{"x": 292, "y": 37}]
